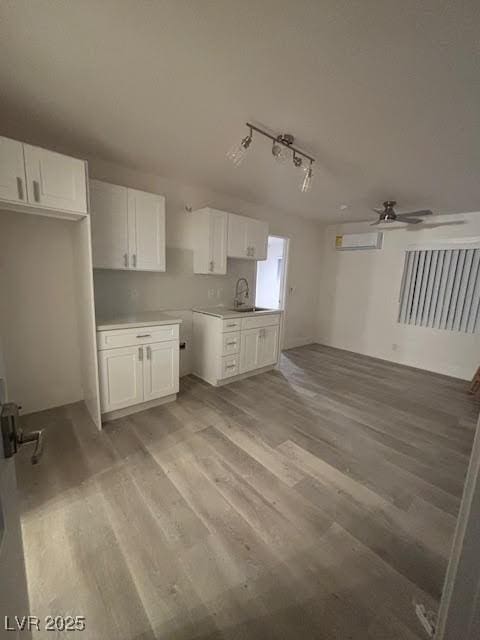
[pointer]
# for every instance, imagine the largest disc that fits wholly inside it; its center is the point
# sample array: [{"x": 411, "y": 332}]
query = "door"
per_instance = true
[
  {"x": 121, "y": 377},
  {"x": 109, "y": 225},
  {"x": 268, "y": 346},
  {"x": 218, "y": 242},
  {"x": 55, "y": 181},
  {"x": 271, "y": 275},
  {"x": 13, "y": 582},
  {"x": 237, "y": 236},
  {"x": 249, "y": 349},
  {"x": 257, "y": 239},
  {"x": 12, "y": 171},
  {"x": 161, "y": 369},
  {"x": 146, "y": 222}
]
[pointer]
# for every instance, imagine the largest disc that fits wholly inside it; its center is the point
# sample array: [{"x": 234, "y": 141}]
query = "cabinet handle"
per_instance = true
[
  {"x": 140, "y": 353},
  {"x": 149, "y": 353},
  {"x": 232, "y": 324},
  {"x": 134, "y": 260},
  {"x": 145, "y": 335},
  {"x": 125, "y": 259},
  {"x": 211, "y": 265},
  {"x": 230, "y": 366},
  {"x": 36, "y": 191},
  {"x": 20, "y": 189},
  {"x": 253, "y": 252},
  {"x": 232, "y": 342}
]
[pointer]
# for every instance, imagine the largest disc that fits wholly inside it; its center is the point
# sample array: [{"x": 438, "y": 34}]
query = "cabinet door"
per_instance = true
[
  {"x": 237, "y": 236},
  {"x": 268, "y": 346},
  {"x": 109, "y": 225},
  {"x": 257, "y": 239},
  {"x": 218, "y": 242},
  {"x": 121, "y": 377},
  {"x": 12, "y": 171},
  {"x": 55, "y": 181},
  {"x": 249, "y": 349},
  {"x": 161, "y": 370},
  {"x": 146, "y": 223}
]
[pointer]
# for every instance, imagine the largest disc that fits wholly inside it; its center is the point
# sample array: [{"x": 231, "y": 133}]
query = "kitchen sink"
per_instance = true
[{"x": 249, "y": 309}]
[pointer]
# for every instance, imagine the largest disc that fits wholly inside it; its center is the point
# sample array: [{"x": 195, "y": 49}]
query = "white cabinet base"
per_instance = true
[
  {"x": 216, "y": 382},
  {"x": 136, "y": 408},
  {"x": 229, "y": 349}
]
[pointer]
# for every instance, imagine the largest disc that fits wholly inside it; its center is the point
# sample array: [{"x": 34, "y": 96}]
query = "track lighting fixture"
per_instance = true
[
  {"x": 282, "y": 145},
  {"x": 238, "y": 152}
]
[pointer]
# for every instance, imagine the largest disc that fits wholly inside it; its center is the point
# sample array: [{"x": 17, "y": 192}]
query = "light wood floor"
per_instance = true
[{"x": 315, "y": 501}]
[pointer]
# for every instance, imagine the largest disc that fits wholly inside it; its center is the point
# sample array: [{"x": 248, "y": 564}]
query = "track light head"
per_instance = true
[
  {"x": 307, "y": 179},
  {"x": 238, "y": 152}
]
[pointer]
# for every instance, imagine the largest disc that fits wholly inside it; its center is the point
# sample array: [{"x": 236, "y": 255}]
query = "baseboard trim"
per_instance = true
[{"x": 136, "y": 408}]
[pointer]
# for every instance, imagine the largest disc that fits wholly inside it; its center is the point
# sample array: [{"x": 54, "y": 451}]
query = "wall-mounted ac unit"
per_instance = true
[{"x": 356, "y": 241}]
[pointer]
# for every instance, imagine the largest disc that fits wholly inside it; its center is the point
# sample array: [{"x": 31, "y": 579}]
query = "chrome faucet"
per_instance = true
[{"x": 238, "y": 292}]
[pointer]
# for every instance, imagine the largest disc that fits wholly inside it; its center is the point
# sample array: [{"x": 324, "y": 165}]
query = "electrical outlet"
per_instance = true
[{"x": 211, "y": 293}]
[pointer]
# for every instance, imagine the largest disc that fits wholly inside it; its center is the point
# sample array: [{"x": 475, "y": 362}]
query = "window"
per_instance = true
[{"x": 441, "y": 289}]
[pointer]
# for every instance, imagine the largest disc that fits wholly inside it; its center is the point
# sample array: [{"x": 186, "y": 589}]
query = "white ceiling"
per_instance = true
[{"x": 385, "y": 93}]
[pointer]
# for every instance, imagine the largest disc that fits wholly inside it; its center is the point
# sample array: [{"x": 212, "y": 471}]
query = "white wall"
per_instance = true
[
  {"x": 38, "y": 320},
  {"x": 179, "y": 288},
  {"x": 358, "y": 302}
]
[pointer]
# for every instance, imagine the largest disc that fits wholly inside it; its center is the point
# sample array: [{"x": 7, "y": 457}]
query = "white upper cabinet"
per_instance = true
[
  {"x": 247, "y": 238},
  {"x": 128, "y": 228},
  {"x": 109, "y": 216},
  {"x": 257, "y": 239},
  {"x": 55, "y": 181},
  {"x": 12, "y": 171},
  {"x": 209, "y": 241},
  {"x": 146, "y": 230},
  {"x": 36, "y": 180}
]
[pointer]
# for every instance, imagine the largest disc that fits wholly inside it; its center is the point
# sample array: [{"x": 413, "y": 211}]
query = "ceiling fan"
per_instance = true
[{"x": 387, "y": 214}]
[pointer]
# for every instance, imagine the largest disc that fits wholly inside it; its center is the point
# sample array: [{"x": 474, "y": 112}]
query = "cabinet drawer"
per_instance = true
[
  {"x": 261, "y": 321},
  {"x": 232, "y": 324},
  {"x": 138, "y": 335},
  {"x": 230, "y": 343},
  {"x": 229, "y": 366}
]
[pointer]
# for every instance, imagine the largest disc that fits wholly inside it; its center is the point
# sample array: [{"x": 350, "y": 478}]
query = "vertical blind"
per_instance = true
[{"x": 441, "y": 289}]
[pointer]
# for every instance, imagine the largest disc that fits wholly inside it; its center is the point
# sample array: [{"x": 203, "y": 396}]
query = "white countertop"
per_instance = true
[
  {"x": 139, "y": 319},
  {"x": 225, "y": 312}
]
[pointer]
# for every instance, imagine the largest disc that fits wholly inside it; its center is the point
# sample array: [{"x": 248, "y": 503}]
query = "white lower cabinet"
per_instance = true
[
  {"x": 259, "y": 348},
  {"x": 160, "y": 370},
  {"x": 139, "y": 373},
  {"x": 249, "y": 350},
  {"x": 121, "y": 377},
  {"x": 225, "y": 348}
]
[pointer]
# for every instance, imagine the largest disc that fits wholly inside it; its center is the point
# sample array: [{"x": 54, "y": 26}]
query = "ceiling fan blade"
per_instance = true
[
  {"x": 421, "y": 212},
  {"x": 378, "y": 210},
  {"x": 374, "y": 224},
  {"x": 410, "y": 220}
]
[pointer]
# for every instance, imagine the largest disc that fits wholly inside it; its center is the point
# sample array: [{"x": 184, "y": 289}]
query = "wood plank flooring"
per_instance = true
[{"x": 315, "y": 501}]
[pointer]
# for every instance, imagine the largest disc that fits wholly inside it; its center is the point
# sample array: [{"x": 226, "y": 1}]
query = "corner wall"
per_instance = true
[
  {"x": 358, "y": 300},
  {"x": 38, "y": 313}
]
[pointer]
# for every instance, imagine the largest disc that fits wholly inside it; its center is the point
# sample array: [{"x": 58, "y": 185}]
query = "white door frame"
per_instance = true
[
  {"x": 283, "y": 285},
  {"x": 459, "y": 614}
]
